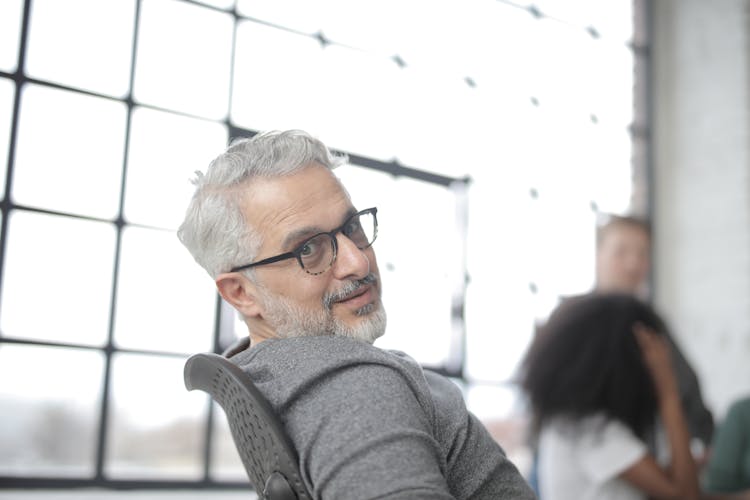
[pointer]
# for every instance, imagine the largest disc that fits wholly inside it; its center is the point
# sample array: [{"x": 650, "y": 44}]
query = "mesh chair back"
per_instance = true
[{"x": 265, "y": 449}]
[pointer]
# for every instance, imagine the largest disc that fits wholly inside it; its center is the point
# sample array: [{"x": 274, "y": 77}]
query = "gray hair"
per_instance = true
[{"x": 215, "y": 230}]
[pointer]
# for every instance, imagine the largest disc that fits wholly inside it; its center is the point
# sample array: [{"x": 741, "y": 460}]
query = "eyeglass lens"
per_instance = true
[{"x": 318, "y": 253}]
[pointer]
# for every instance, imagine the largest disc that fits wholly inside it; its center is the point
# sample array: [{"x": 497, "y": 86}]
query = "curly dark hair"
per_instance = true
[{"x": 586, "y": 360}]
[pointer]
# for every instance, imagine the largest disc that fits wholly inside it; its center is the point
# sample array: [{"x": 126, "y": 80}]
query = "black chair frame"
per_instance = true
[{"x": 266, "y": 452}]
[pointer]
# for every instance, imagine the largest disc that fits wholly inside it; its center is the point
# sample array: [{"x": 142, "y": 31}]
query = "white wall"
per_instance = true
[{"x": 701, "y": 201}]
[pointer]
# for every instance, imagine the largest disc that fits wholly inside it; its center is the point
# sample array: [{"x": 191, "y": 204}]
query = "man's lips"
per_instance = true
[{"x": 360, "y": 297}]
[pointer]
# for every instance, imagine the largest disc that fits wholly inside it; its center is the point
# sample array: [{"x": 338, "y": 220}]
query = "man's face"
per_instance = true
[
  {"x": 622, "y": 260},
  {"x": 345, "y": 299}
]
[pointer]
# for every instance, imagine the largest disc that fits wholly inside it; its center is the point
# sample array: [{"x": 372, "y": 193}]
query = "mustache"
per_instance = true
[{"x": 346, "y": 290}]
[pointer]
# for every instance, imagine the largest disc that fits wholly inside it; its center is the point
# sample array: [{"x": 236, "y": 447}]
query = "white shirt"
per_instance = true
[{"x": 582, "y": 460}]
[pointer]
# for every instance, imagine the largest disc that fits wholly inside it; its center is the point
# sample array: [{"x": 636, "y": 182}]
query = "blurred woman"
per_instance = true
[{"x": 597, "y": 376}]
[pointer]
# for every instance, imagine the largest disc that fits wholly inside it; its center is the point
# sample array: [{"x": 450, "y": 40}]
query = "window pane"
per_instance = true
[
  {"x": 611, "y": 188},
  {"x": 222, "y": 4},
  {"x": 613, "y": 20},
  {"x": 500, "y": 306},
  {"x": 295, "y": 14},
  {"x": 499, "y": 325},
  {"x": 58, "y": 278},
  {"x": 165, "y": 152},
  {"x": 82, "y": 43},
  {"x": 189, "y": 69},
  {"x": 412, "y": 275},
  {"x": 364, "y": 102},
  {"x": 10, "y": 32},
  {"x": 55, "y": 396},
  {"x": 165, "y": 300},
  {"x": 421, "y": 95},
  {"x": 225, "y": 460},
  {"x": 541, "y": 215},
  {"x": 68, "y": 143},
  {"x": 6, "y": 115},
  {"x": 290, "y": 98},
  {"x": 611, "y": 84},
  {"x": 502, "y": 57},
  {"x": 361, "y": 24},
  {"x": 156, "y": 427}
]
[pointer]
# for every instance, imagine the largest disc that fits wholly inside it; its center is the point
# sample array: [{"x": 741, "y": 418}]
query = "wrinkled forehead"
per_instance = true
[{"x": 308, "y": 200}]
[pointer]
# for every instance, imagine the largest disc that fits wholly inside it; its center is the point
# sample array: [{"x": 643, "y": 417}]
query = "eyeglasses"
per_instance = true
[{"x": 317, "y": 254}]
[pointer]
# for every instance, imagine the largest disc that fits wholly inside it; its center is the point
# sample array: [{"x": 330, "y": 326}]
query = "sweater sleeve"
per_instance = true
[
  {"x": 477, "y": 466},
  {"x": 729, "y": 467},
  {"x": 368, "y": 435}
]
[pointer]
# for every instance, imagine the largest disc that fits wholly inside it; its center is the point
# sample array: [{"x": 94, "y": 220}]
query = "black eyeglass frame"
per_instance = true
[{"x": 297, "y": 252}]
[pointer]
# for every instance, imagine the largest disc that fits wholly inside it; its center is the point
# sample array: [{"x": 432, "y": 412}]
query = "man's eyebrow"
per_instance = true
[{"x": 299, "y": 235}]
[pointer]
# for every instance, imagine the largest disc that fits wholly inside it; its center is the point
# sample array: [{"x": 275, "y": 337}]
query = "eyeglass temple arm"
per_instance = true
[{"x": 269, "y": 260}]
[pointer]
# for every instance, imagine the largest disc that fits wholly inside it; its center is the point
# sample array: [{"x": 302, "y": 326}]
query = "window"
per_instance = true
[{"x": 488, "y": 133}]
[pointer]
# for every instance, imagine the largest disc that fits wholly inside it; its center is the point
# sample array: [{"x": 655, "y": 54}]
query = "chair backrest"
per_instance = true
[{"x": 266, "y": 451}]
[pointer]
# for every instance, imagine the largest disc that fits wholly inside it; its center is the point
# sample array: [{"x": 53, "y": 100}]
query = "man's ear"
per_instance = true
[{"x": 240, "y": 292}]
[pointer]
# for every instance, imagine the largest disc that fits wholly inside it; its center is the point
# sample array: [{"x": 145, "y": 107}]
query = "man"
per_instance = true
[
  {"x": 623, "y": 247},
  {"x": 275, "y": 228}
]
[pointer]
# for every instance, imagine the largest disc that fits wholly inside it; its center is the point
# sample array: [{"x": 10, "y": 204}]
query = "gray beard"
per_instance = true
[{"x": 289, "y": 320}]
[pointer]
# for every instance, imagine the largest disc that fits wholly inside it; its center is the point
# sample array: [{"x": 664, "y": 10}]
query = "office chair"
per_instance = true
[{"x": 266, "y": 451}]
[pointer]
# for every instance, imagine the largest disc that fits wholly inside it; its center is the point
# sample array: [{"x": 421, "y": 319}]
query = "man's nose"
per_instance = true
[{"x": 351, "y": 262}]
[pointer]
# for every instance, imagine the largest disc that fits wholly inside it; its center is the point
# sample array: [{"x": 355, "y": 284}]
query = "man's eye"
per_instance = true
[
  {"x": 308, "y": 249},
  {"x": 312, "y": 248}
]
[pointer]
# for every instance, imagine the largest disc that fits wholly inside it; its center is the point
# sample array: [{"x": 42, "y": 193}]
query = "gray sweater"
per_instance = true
[{"x": 369, "y": 423}]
